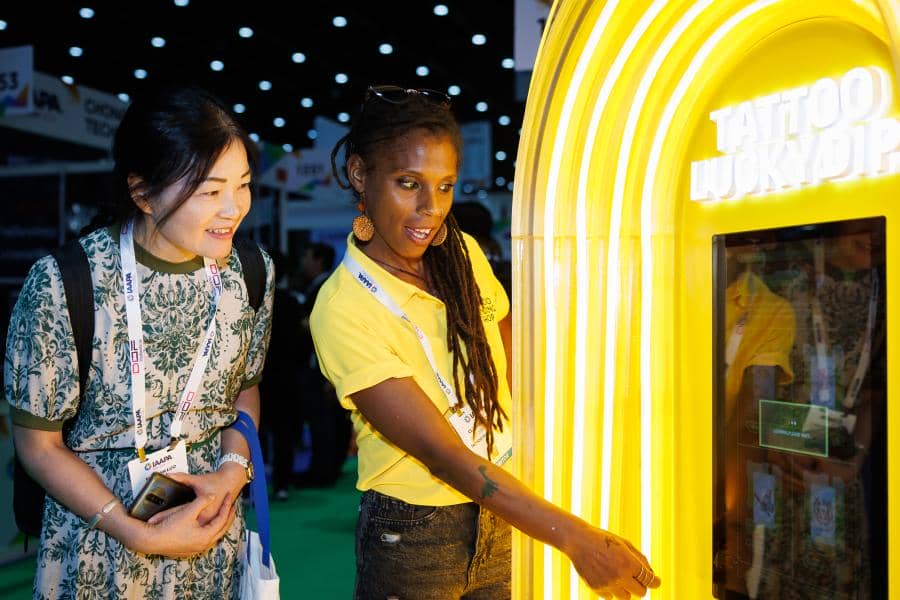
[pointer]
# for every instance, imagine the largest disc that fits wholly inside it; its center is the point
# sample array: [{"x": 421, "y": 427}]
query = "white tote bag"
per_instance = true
[{"x": 259, "y": 580}]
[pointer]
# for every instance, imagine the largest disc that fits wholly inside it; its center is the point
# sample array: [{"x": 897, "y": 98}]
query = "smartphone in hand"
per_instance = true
[{"x": 158, "y": 494}]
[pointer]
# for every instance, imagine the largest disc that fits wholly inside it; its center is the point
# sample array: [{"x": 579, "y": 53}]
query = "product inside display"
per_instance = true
[{"x": 800, "y": 478}]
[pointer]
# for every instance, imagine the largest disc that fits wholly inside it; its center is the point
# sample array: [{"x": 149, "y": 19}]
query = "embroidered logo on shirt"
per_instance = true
[{"x": 488, "y": 309}]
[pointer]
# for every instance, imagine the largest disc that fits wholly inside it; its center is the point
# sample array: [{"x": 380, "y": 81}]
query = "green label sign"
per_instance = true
[{"x": 800, "y": 428}]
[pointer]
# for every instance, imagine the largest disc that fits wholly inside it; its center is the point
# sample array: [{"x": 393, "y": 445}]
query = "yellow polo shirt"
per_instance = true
[
  {"x": 360, "y": 343},
  {"x": 768, "y": 334}
]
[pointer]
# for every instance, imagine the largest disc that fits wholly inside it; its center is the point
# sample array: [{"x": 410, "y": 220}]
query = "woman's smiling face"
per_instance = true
[
  {"x": 206, "y": 222},
  {"x": 408, "y": 192}
]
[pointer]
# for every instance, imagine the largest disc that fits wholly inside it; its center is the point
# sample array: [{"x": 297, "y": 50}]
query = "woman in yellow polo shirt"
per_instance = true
[{"x": 413, "y": 330}]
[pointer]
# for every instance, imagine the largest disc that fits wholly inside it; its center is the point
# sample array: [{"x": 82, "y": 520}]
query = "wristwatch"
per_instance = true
[{"x": 237, "y": 458}]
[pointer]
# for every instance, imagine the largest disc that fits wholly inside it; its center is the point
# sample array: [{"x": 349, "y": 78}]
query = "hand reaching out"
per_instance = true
[{"x": 610, "y": 565}]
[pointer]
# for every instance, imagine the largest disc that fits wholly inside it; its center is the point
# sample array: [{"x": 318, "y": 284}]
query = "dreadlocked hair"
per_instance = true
[
  {"x": 451, "y": 275},
  {"x": 378, "y": 124}
]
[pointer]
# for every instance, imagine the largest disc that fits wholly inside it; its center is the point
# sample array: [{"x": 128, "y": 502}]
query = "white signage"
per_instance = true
[
  {"x": 309, "y": 171},
  {"x": 16, "y": 80},
  {"x": 77, "y": 114},
  {"x": 836, "y": 129},
  {"x": 530, "y": 19}
]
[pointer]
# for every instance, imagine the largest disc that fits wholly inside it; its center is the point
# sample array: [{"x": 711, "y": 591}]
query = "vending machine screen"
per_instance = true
[{"x": 800, "y": 475}]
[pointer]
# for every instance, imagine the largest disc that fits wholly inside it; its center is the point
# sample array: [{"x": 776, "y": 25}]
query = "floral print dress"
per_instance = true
[{"x": 41, "y": 385}]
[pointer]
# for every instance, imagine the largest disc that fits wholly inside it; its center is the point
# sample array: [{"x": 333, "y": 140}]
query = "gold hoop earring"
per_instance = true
[
  {"x": 441, "y": 236},
  {"x": 363, "y": 228}
]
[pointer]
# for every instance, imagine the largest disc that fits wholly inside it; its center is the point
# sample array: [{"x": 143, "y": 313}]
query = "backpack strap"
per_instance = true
[
  {"x": 254, "y": 268},
  {"x": 79, "y": 288},
  {"x": 28, "y": 495}
]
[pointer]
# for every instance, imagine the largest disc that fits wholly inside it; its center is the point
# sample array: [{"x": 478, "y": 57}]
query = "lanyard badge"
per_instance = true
[
  {"x": 459, "y": 414},
  {"x": 174, "y": 457}
]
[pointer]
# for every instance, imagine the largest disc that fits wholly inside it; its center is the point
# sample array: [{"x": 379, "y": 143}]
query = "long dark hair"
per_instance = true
[
  {"x": 172, "y": 133},
  {"x": 378, "y": 124}
]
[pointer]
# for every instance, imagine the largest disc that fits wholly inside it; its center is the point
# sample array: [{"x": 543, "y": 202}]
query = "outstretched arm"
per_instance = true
[{"x": 403, "y": 413}]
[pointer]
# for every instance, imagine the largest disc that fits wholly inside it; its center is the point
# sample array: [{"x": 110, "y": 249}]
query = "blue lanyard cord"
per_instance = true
[{"x": 259, "y": 498}]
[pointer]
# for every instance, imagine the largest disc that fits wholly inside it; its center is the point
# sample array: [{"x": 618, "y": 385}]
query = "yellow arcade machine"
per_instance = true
[{"x": 705, "y": 239}]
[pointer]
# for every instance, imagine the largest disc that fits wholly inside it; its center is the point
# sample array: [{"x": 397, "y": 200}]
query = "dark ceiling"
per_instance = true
[{"x": 116, "y": 40}]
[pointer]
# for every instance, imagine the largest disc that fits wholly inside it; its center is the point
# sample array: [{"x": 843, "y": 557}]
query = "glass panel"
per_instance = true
[{"x": 800, "y": 490}]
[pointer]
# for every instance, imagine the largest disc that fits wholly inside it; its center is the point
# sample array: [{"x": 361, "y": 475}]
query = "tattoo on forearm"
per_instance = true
[{"x": 490, "y": 486}]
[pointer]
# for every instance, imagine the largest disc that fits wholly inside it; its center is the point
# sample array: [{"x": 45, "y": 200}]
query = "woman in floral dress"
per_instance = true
[{"x": 183, "y": 168}]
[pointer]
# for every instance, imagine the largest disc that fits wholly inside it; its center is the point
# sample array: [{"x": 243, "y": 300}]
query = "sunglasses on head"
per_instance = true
[{"x": 398, "y": 95}]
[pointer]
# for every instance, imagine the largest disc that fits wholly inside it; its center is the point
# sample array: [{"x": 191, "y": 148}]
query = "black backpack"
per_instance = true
[{"x": 28, "y": 495}]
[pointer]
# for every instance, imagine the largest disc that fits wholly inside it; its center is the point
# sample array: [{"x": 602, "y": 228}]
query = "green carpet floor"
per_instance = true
[{"x": 312, "y": 542}]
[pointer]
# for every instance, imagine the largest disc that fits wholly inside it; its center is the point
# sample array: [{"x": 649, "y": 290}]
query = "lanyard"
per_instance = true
[
  {"x": 820, "y": 333},
  {"x": 131, "y": 286},
  {"x": 369, "y": 282}
]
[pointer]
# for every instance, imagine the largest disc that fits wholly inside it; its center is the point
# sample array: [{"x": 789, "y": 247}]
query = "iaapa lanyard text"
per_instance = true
[
  {"x": 369, "y": 282},
  {"x": 131, "y": 290},
  {"x": 461, "y": 416}
]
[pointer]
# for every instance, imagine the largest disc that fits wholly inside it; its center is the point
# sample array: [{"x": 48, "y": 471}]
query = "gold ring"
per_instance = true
[{"x": 644, "y": 577}]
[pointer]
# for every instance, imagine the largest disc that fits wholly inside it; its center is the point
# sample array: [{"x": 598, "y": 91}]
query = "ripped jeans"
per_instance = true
[{"x": 411, "y": 552}]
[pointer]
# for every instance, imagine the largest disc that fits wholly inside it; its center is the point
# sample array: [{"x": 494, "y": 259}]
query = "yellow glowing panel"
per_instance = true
[{"x": 612, "y": 267}]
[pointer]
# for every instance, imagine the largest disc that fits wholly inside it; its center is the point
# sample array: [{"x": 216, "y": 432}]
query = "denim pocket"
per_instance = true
[{"x": 385, "y": 510}]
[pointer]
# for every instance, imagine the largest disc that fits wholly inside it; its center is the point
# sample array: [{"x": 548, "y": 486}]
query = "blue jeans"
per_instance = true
[{"x": 411, "y": 552}]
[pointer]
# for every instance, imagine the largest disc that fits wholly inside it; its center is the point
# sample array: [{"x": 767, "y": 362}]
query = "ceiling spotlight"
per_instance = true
[
  {"x": 441, "y": 10},
  {"x": 481, "y": 107},
  {"x": 482, "y": 194},
  {"x": 217, "y": 65},
  {"x": 422, "y": 71},
  {"x": 239, "y": 108},
  {"x": 508, "y": 63},
  {"x": 509, "y": 186},
  {"x": 287, "y": 147},
  {"x": 140, "y": 73},
  {"x": 306, "y": 102},
  {"x": 278, "y": 122},
  {"x": 75, "y": 51},
  {"x": 339, "y": 21},
  {"x": 68, "y": 79},
  {"x": 245, "y": 32},
  {"x": 265, "y": 85},
  {"x": 312, "y": 134},
  {"x": 468, "y": 188},
  {"x": 3, "y": 24},
  {"x": 385, "y": 48},
  {"x": 500, "y": 155},
  {"x": 503, "y": 120},
  {"x": 86, "y": 13},
  {"x": 124, "y": 97},
  {"x": 298, "y": 57},
  {"x": 182, "y": 3},
  {"x": 479, "y": 39},
  {"x": 454, "y": 90},
  {"x": 343, "y": 117},
  {"x": 341, "y": 78},
  {"x": 500, "y": 181},
  {"x": 254, "y": 137},
  {"x": 157, "y": 42}
]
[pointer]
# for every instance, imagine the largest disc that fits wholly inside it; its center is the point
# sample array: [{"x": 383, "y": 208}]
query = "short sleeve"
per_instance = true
[
  {"x": 41, "y": 367},
  {"x": 493, "y": 294},
  {"x": 262, "y": 330},
  {"x": 352, "y": 355}
]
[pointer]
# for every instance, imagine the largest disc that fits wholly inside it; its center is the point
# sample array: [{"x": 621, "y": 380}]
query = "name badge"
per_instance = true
[
  {"x": 162, "y": 461},
  {"x": 463, "y": 422}
]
